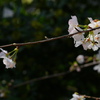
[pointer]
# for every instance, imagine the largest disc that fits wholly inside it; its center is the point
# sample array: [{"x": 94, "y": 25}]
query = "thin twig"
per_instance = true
[
  {"x": 50, "y": 39},
  {"x": 90, "y": 97},
  {"x": 90, "y": 64},
  {"x": 41, "y": 78},
  {"x": 53, "y": 76}
]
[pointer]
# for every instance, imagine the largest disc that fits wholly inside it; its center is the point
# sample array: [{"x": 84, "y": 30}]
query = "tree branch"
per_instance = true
[
  {"x": 90, "y": 97},
  {"x": 41, "y": 78},
  {"x": 54, "y": 75},
  {"x": 50, "y": 39}
]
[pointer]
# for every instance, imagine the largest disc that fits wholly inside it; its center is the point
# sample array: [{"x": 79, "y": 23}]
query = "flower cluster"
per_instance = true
[
  {"x": 88, "y": 41},
  {"x": 77, "y": 97},
  {"x": 8, "y": 60}
]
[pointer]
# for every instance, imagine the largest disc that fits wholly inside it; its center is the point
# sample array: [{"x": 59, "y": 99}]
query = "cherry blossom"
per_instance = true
[
  {"x": 7, "y": 59},
  {"x": 88, "y": 41},
  {"x": 9, "y": 63}
]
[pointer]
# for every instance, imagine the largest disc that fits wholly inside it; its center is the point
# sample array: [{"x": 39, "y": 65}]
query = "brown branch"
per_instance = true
[
  {"x": 53, "y": 76},
  {"x": 41, "y": 78},
  {"x": 90, "y": 64},
  {"x": 50, "y": 39},
  {"x": 90, "y": 97},
  {"x": 96, "y": 98}
]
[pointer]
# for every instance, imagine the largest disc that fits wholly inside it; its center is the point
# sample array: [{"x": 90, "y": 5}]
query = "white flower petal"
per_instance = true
[
  {"x": 72, "y": 24},
  {"x": 90, "y": 19},
  {"x": 8, "y": 62},
  {"x": 95, "y": 47},
  {"x": 78, "y": 37},
  {"x": 3, "y": 53},
  {"x": 3, "y": 50},
  {"x": 97, "y": 67},
  {"x": 96, "y": 31},
  {"x": 86, "y": 44},
  {"x": 78, "y": 43},
  {"x": 73, "y": 21}
]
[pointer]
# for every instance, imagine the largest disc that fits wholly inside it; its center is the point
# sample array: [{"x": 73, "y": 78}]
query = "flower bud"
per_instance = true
[{"x": 80, "y": 59}]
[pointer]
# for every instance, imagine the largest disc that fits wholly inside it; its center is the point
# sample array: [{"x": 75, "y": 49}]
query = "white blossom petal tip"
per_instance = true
[{"x": 3, "y": 53}]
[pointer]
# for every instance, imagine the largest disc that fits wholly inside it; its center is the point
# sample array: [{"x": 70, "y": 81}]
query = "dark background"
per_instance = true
[{"x": 32, "y": 22}]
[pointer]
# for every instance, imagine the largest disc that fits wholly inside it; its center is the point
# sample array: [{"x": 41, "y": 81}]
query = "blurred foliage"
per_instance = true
[{"x": 32, "y": 21}]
